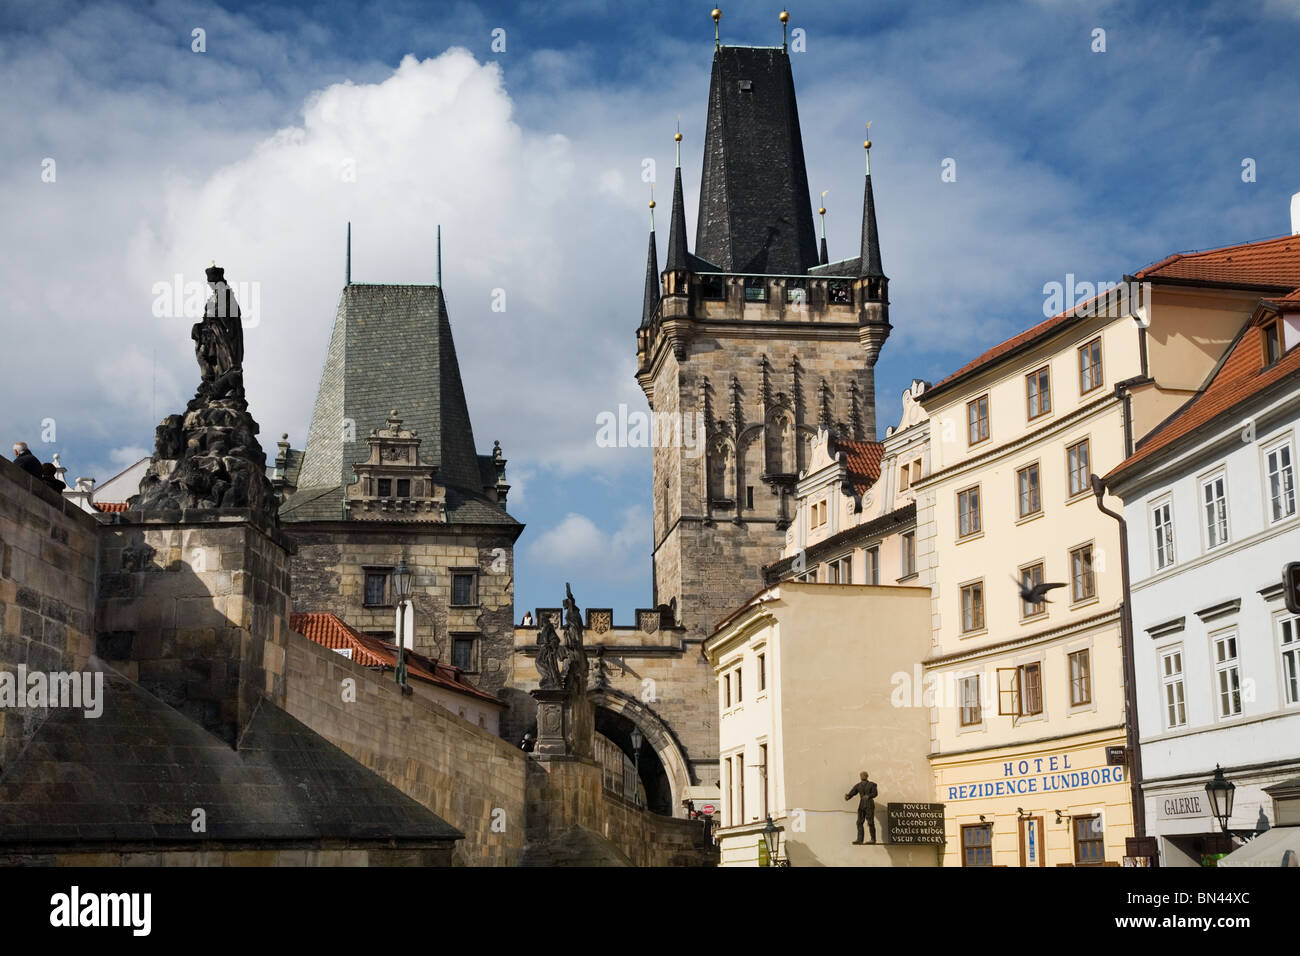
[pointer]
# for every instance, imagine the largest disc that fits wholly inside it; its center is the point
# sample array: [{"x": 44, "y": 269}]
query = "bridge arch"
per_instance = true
[{"x": 615, "y": 711}]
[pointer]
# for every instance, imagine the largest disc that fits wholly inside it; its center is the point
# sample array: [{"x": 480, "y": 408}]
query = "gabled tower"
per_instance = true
[{"x": 755, "y": 340}]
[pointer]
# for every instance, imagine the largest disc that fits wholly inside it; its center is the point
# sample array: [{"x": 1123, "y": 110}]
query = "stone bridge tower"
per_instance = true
[{"x": 749, "y": 343}]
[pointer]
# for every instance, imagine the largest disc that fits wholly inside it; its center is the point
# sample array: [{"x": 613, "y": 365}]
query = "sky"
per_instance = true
[{"x": 135, "y": 151}]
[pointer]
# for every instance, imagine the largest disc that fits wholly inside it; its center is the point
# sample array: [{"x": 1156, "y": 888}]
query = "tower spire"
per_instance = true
[
  {"x": 717, "y": 15},
  {"x": 440, "y": 255},
  {"x": 347, "y": 269},
  {"x": 821, "y": 211},
  {"x": 870, "y": 263},
  {"x": 677, "y": 251},
  {"x": 651, "y": 301}
]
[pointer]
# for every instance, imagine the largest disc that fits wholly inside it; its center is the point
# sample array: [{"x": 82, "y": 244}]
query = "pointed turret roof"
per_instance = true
[
  {"x": 651, "y": 301},
  {"x": 869, "y": 263},
  {"x": 678, "y": 254},
  {"x": 755, "y": 215}
]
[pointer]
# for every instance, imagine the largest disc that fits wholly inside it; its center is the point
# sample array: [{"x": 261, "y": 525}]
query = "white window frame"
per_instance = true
[
  {"x": 1022, "y": 493},
  {"x": 1227, "y": 672},
  {"x": 1216, "y": 526},
  {"x": 840, "y": 570},
  {"x": 1070, "y": 470},
  {"x": 1288, "y": 485},
  {"x": 871, "y": 557},
  {"x": 961, "y": 681},
  {"x": 974, "y": 515},
  {"x": 1175, "y": 683},
  {"x": 1287, "y": 628},
  {"x": 1163, "y": 529}
]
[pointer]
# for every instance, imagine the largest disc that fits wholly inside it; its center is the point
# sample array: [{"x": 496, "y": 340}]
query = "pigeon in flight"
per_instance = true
[{"x": 1036, "y": 594}]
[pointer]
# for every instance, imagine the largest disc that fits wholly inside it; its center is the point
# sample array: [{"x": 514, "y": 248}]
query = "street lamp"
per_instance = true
[
  {"x": 402, "y": 591},
  {"x": 636, "y": 763},
  {"x": 1220, "y": 791},
  {"x": 772, "y": 837}
]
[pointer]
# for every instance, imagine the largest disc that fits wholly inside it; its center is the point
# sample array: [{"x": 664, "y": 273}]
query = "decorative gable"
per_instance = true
[{"x": 392, "y": 484}]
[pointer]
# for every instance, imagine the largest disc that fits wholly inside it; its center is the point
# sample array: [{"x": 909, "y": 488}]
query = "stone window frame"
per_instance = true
[
  {"x": 474, "y": 638},
  {"x": 473, "y": 573},
  {"x": 372, "y": 569}
]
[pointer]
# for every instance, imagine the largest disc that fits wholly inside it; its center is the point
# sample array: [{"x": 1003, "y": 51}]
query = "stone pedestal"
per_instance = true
[
  {"x": 553, "y": 722},
  {"x": 197, "y": 611}
]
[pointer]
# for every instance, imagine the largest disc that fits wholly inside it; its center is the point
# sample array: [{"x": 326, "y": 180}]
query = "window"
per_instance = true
[
  {"x": 1281, "y": 482},
  {"x": 1020, "y": 690},
  {"x": 1162, "y": 522},
  {"x": 731, "y": 795},
  {"x": 817, "y": 517},
  {"x": 1171, "y": 678},
  {"x": 1214, "y": 499},
  {"x": 1227, "y": 675},
  {"x": 840, "y": 571},
  {"x": 972, "y": 607},
  {"x": 839, "y": 292},
  {"x": 1082, "y": 581},
  {"x": 462, "y": 652},
  {"x": 977, "y": 844},
  {"x": 1027, "y": 484},
  {"x": 1089, "y": 839},
  {"x": 712, "y": 287},
  {"x": 385, "y": 487},
  {"x": 464, "y": 589},
  {"x": 909, "y": 553},
  {"x": 1030, "y": 576},
  {"x": 873, "y": 564},
  {"x": 1090, "y": 366},
  {"x": 977, "y": 420},
  {"x": 1077, "y": 466},
  {"x": 376, "y": 588},
  {"x": 1038, "y": 392},
  {"x": 971, "y": 711},
  {"x": 740, "y": 788},
  {"x": 1289, "y": 644},
  {"x": 739, "y": 694},
  {"x": 755, "y": 289},
  {"x": 403, "y": 487},
  {"x": 749, "y": 497},
  {"x": 795, "y": 292},
  {"x": 916, "y": 471},
  {"x": 1272, "y": 343},
  {"x": 1080, "y": 665},
  {"x": 762, "y": 673},
  {"x": 902, "y": 477},
  {"x": 726, "y": 690},
  {"x": 968, "y": 512}
]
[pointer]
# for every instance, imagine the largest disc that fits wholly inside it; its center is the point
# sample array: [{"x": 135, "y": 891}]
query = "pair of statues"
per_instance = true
[{"x": 562, "y": 666}]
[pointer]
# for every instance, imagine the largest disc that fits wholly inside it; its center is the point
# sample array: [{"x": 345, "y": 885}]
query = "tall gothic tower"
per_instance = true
[{"x": 756, "y": 336}]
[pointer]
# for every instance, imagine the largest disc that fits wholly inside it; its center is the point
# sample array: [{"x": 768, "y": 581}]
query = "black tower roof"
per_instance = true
[
  {"x": 870, "y": 261},
  {"x": 651, "y": 301},
  {"x": 755, "y": 215}
]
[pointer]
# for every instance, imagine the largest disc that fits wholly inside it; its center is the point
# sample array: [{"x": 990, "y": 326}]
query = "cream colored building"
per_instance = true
[
  {"x": 1028, "y": 698},
  {"x": 806, "y": 674}
]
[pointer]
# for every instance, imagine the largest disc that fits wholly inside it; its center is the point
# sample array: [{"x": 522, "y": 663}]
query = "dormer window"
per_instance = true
[
  {"x": 712, "y": 287},
  {"x": 385, "y": 487},
  {"x": 1272, "y": 342},
  {"x": 403, "y": 487},
  {"x": 755, "y": 289}
]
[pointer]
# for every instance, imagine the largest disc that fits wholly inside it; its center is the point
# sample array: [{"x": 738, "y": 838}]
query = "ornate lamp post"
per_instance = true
[
  {"x": 636, "y": 762},
  {"x": 772, "y": 838},
  {"x": 401, "y": 577},
  {"x": 1220, "y": 791}
]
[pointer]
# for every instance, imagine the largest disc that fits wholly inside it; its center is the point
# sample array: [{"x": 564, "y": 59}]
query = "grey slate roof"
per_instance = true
[
  {"x": 755, "y": 215},
  {"x": 138, "y": 771},
  {"x": 391, "y": 347},
  {"x": 651, "y": 300},
  {"x": 869, "y": 260}
]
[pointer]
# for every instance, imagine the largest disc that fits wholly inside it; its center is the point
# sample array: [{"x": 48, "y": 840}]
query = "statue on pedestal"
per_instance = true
[{"x": 866, "y": 792}]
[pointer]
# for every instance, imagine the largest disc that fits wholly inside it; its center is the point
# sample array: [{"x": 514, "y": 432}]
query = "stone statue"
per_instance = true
[
  {"x": 210, "y": 457},
  {"x": 548, "y": 654},
  {"x": 574, "y": 665},
  {"x": 866, "y": 793}
]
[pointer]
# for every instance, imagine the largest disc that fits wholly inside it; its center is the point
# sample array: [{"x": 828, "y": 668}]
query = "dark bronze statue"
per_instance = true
[
  {"x": 866, "y": 793},
  {"x": 548, "y": 654},
  {"x": 573, "y": 669}
]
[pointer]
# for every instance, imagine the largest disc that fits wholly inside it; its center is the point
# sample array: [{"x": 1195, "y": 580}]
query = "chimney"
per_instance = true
[{"x": 1295, "y": 215}]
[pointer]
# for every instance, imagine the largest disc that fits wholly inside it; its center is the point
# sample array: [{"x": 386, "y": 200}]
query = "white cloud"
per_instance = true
[{"x": 596, "y": 556}]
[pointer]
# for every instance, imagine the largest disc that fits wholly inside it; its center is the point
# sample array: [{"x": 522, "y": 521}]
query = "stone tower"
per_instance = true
[{"x": 748, "y": 344}]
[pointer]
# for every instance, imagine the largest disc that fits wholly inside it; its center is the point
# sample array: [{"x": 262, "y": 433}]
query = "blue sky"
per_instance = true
[{"x": 1067, "y": 161}]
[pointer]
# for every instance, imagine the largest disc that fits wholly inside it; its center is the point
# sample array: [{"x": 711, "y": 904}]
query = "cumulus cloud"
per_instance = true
[{"x": 598, "y": 556}]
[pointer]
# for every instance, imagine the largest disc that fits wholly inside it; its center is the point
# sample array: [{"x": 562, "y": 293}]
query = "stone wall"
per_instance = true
[
  {"x": 469, "y": 777},
  {"x": 574, "y": 821},
  {"x": 329, "y": 572},
  {"x": 47, "y": 585},
  {"x": 250, "y": 856},
  {"x": 197, "y": 614}
]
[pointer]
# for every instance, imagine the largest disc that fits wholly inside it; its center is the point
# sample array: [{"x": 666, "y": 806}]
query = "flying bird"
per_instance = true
[{"x": 1037, "y": 594}]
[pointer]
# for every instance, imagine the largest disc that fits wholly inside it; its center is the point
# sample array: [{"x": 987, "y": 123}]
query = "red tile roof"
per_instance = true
[
  {"x": 109, "y": 506},
  {"x": 1241, "y": 376},
  {"x": 862, "y": 461},
  {"x": 1272, "y": 262},
  {"x": 330, "y": 631}
]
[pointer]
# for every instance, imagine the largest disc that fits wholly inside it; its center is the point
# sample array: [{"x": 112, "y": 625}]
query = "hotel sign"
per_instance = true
[
  {"x": 1036, "y": 775},
  {"x": 916, "y": 823},
  {"x": 1190, "y": 804}
]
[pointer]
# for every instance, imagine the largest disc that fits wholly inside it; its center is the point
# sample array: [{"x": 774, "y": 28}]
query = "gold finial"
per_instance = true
[
  {"x": 652, "y": 207},
  {"x": 677, "y": 138},
  {"x": 785, "y": 18},
  {"x": 866, "y": 144},
  {"x": 821, "y": 211},
  {"x": 717, "y": 15},
  {"x": 214, "y": 263}
]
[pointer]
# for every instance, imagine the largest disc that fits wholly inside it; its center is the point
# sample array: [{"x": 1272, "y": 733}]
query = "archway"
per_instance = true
[{"x": 662, "y": 765}]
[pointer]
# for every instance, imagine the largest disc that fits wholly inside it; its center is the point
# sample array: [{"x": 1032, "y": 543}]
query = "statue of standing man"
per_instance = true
[{"x": 866, "y": 793}]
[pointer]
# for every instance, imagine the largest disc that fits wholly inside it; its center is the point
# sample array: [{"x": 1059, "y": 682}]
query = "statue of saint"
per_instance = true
[{"x": 548, "y": 654}]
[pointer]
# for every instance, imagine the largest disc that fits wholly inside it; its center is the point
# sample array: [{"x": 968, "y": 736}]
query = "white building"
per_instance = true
[{"x": 1210, "y": 504}]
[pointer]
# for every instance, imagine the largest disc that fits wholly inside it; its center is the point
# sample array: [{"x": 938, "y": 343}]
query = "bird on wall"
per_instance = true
[{"x": 1037, "y": 593}]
